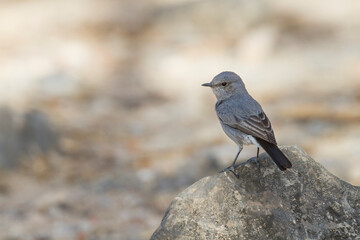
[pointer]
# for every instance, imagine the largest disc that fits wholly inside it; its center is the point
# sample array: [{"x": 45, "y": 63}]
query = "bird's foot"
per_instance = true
[
  {"x": 232, "y": 169},
  {"x": 254, "y": 159}
]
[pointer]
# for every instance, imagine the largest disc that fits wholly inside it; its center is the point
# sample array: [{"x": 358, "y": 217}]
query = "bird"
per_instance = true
[{"x": 243, "y": 119}]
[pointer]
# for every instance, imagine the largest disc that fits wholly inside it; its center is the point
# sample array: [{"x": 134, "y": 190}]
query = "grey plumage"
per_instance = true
[{"x": 242, "y": 118}]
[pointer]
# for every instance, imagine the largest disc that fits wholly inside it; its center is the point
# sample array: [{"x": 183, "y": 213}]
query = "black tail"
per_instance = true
[{"x": 275, "y": 153}]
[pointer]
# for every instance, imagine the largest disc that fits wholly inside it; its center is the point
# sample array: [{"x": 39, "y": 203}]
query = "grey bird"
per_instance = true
[{"x": 242, "y": 118}]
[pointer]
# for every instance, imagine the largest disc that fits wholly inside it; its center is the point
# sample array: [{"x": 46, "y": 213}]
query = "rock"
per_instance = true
[{"x": 305, "y": 202}]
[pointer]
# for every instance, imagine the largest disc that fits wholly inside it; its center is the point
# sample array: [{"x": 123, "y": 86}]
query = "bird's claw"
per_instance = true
[
  {"x": 232, "y": 169},
  {"x": 254, "y": 159}
]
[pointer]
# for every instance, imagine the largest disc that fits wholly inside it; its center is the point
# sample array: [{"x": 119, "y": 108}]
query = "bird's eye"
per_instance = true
[{"x": 224, "y": 84}]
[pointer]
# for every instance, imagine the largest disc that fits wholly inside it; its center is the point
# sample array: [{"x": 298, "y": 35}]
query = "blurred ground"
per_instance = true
[{"x": 103, "y": 119}]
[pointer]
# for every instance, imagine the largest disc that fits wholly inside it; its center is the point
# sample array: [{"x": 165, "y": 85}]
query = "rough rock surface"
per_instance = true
[{"x": 305, "y": 202}]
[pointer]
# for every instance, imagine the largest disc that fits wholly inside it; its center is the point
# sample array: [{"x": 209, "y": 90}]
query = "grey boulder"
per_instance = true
[{"x": 304, "y": 202}]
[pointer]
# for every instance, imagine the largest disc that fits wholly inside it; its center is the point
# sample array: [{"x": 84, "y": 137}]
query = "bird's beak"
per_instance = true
[{"x": 206, "y": 85}]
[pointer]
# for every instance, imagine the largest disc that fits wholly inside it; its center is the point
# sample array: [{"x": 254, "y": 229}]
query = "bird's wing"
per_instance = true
[{"x": 255, "y": 124}]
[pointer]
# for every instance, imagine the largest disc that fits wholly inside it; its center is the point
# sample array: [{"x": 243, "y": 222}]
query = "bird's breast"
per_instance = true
[{"x": 237, "y": 136}]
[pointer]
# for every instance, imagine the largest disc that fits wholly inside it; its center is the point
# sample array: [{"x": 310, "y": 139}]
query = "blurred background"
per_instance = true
[{"x": 103, "y": 120}]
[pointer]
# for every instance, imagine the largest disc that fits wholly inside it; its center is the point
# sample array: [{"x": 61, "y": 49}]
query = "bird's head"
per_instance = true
[{"x": 226, "y": 84}]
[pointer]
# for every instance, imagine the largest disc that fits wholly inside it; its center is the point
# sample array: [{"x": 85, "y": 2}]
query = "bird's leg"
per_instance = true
[
  {"x": 255, "y": 159},
  {"x": 232, "y": 167},
  {"x": 257, "y": 156},
  {"x": 236, "y": 157}
]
